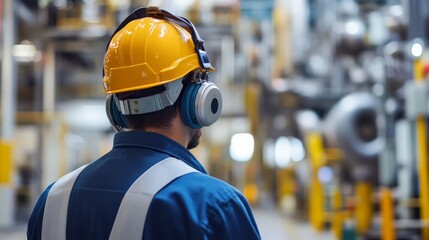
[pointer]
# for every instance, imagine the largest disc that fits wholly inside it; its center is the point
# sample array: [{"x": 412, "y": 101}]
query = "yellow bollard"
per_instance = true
[
  {"x": 6, "y": 165},
  {"x": 387, "y": 225},
  {"x": 337, "y": 209},
  {"x": 422, "y": 155},
  {"x": 363, "y": 211},
  {"x": 316, "y": 193},
  {"x": 250, "y": 192}
]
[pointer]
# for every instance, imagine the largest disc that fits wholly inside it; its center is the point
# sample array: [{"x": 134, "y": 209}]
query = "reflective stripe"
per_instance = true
[
  {"x": 131, "y": 216},
  {"x": 56, "y": 206}
]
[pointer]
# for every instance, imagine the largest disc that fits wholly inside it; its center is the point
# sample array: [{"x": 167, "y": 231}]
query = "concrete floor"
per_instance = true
[
  {"x": 14, "y": 233},
  {"x": 275, "y": 226},
  {"x": 272, "y": 225}
]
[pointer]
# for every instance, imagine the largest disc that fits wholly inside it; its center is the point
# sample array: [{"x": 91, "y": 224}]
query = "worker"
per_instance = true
[{"x": 149, "y": 186}]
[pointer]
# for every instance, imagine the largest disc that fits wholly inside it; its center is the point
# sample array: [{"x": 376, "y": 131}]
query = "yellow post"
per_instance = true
[
  {"x": 422, "y": 155},
  {"x": 363, "y": 211},
  {"x": 387, "y": 225},
  {"x": 337, "y": 210},
  {"x": 316, "y": 189},
  {"x": 6, "y": 165}
]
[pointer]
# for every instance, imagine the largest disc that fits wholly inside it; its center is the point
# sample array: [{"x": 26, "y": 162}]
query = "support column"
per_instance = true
[
  {"x": 422, "y": 154},
  {"x": 8, "y": 109},
  {"x": 50, "y": 165}
]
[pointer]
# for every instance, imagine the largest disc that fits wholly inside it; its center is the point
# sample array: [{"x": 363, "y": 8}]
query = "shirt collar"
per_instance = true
[{"x": 158, "y": 142}]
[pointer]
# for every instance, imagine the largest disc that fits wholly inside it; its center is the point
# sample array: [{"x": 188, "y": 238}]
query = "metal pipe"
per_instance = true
[
  {"x": 8, "y": 75},
  {"x": 1, "y": 22},
  {"x": 8, "y": 108},
  {"x": 416, "y": 19},
  {"x": 50, "y": 167}
]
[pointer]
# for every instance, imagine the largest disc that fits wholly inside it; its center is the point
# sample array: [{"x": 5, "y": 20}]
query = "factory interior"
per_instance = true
[{"x": 324, "y": 122}]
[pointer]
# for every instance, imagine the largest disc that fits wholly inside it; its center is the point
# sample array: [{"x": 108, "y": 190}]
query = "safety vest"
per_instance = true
[{"x": 131, "y": 216}]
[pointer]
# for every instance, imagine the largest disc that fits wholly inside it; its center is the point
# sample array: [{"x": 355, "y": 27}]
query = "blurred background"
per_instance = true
[{"x": 324, "y": 126}]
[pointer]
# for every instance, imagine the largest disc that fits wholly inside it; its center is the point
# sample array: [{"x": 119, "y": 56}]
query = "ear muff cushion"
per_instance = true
[
  {"x": 208, "y": 104},
  {"x": 115, "y": 116},
  {"x": 119, "y": 118},
  {"x": 188, "y": 106}
]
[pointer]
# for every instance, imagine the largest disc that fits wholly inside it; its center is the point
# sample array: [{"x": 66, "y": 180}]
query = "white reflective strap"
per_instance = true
[
  {"x": 56, "y": 206},
  {"x": 131, "y": 216}
]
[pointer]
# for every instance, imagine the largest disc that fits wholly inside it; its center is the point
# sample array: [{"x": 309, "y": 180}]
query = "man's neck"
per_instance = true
[{"x": 178, "y": 132}]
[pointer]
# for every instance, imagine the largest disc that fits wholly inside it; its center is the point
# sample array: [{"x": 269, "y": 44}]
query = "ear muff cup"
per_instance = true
[
  {"x": 188, "y": 105},
  {"x": 201, "y": 104},
  {"x": 116, "y": 118}
]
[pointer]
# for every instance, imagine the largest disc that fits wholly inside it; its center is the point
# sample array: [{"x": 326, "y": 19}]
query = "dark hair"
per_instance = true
[{"x": 158, "y": 119}]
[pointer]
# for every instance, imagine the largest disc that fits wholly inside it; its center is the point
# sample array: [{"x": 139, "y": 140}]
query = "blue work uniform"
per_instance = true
[{"x": 193, "y": 206}]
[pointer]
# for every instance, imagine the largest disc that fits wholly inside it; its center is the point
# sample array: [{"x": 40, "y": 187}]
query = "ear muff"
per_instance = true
[
  {"x": 201, "y": 104},
  {"x": 116, "y": 118}
]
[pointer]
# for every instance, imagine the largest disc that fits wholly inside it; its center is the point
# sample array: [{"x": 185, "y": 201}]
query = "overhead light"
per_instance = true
[
  {"x": 417, "y": 49},
  {"x": 354, "y": 27},
  {"x": 396, "y": 10},
  {"x": 282, "y": 152},
  {"x": 297, "y": 149},
  {"x": 85, "y": 115},
  {"x": 26, "y": 52},
  {"x": 269, "y": 157},
  {"x": 325, "y": 174},
  {"x": 242, "y": 147}
]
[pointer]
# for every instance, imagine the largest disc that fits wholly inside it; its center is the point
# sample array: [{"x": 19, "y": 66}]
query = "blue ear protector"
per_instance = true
[
  {"x": 116, "y": 118},
  {"x": 201, "y": 106},
  {"x": 187, "y": 106},
  {"x": 201, "y": 102}
]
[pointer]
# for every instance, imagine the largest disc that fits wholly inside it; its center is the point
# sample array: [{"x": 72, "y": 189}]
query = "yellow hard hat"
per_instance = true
[{"x": 148, "y": 52}]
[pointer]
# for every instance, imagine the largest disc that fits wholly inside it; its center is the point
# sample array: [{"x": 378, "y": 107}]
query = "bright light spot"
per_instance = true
[
  {"x": 269, "y": 153},
  {"x": 279, "y": 84},
  {"x": 391, "y": 106},
  {"x": 282, "y": 152},
  {"x": 25, "y": 52},
  {"x": 85, "y": 114},
  {"x": 417, "y": 49},
  {"x": 308, "y": 120},
  {"x": 396, "y": 10},
  {"x": 325, "y": 174},
  {"x": 297, "y": 149},
  {"x": 352, "y": 28},
  {"x": 242, "y": 146}
]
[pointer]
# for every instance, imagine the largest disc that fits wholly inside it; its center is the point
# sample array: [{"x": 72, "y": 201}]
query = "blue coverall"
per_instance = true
[{"x": 193, "y": 206}]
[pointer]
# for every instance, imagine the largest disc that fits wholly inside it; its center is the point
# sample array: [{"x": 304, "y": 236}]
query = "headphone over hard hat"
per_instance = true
[{"x": 153, "y": 47}]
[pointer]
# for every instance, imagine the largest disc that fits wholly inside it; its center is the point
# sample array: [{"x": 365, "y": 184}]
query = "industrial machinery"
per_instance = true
[{"x": 326, "y": 115}]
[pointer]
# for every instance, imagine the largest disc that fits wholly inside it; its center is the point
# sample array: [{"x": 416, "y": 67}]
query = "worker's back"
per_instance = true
[{"x": 192, "y": 206}]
